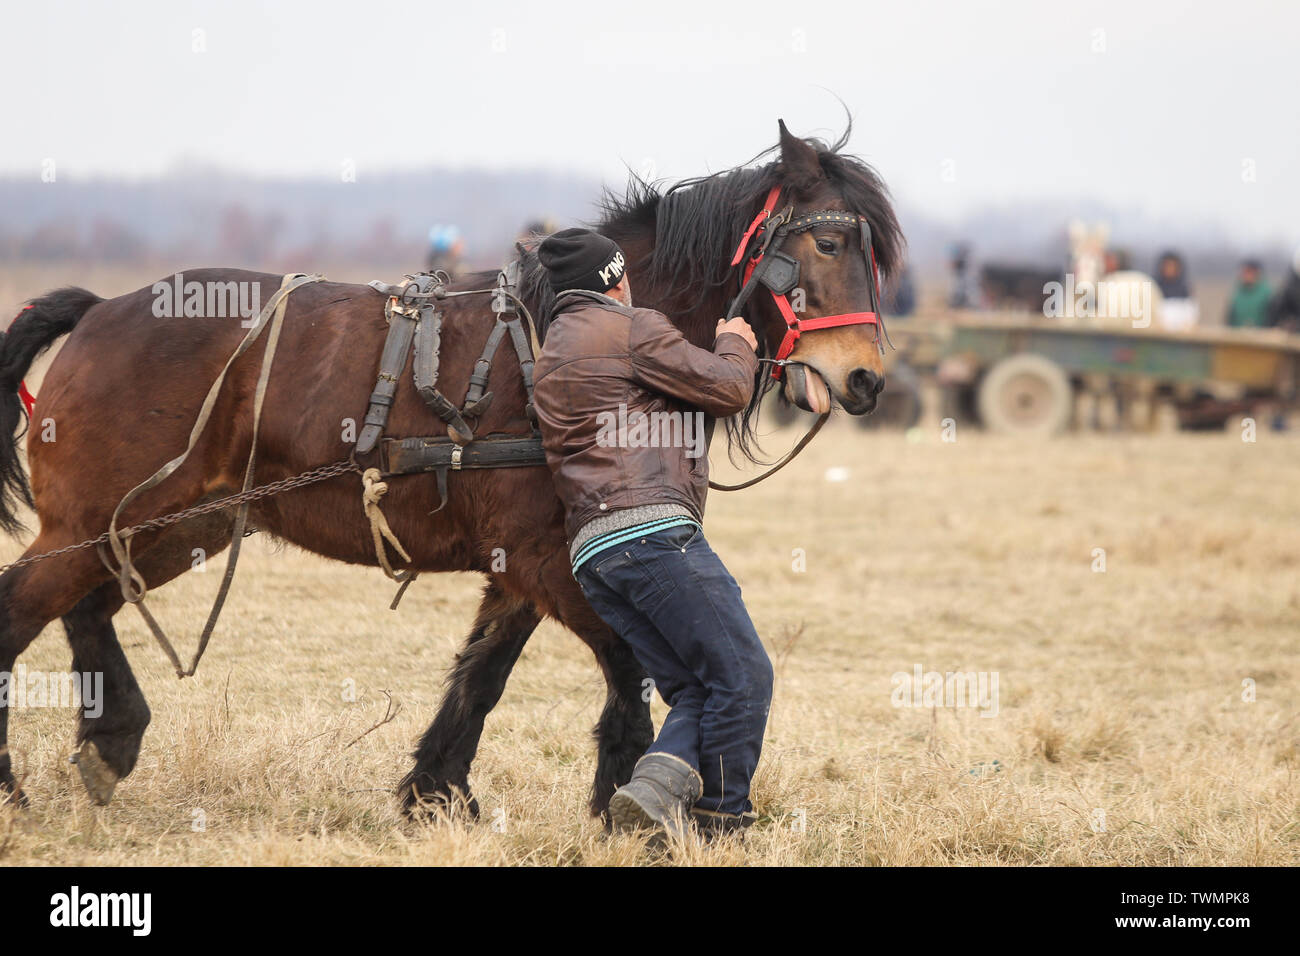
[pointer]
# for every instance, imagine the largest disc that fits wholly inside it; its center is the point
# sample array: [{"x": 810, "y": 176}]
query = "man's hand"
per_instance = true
[{"x": 739, "y": 327}]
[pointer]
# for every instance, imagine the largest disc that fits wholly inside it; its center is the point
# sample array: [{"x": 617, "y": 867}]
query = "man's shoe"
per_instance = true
[
  {"x": 711, "y": 824},
  {"x": 659, "y": 796}
]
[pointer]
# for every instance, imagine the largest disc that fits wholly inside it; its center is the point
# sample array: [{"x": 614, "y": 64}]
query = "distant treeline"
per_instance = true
[
  {"x": 247, "y": 222},
  {"x": 213, "y": 217}
]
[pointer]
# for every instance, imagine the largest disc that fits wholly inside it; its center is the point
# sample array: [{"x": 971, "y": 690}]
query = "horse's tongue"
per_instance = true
[{"x": 816, "y": 392}]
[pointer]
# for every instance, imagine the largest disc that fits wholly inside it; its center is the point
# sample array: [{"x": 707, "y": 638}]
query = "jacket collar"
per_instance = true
[{"x": 570, "y": 297}]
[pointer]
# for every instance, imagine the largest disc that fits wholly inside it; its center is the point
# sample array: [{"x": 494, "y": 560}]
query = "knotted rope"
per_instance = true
[{"x": 372, "y": 491}]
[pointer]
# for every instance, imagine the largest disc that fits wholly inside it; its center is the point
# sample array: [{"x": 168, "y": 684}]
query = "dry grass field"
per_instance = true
[{"x": 1121, "y": 733}]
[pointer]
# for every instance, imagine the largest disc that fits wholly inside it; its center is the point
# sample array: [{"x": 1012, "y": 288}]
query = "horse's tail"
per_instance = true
[{"x": 30, "y": 334}]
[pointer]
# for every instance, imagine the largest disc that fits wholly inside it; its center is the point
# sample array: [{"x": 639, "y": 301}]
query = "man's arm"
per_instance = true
[{"x": 720, "y": 382}]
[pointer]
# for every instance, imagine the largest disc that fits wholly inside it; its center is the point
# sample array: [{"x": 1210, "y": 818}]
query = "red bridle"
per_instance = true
[{"x": 770, "y": 228}]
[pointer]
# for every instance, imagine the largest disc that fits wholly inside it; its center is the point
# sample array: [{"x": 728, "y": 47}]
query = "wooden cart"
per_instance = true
[{"x": 1021, "y": 373}]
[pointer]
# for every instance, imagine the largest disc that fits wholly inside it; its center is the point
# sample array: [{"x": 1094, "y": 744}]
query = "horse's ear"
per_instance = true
[{"x": 802, "y": 167}]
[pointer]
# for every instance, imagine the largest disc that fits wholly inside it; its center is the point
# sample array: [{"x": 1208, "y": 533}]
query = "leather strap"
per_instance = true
[
  {"x": 506, "y": 305},
  {"x": 407, "y": 456},
  {"x": 789, "y": 457},
  {"x": 428, "y": 342},
  {"x": 401, "y": 330}
]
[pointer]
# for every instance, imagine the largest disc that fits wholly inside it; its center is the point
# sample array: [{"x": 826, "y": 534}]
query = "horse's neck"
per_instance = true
[{"x": 696, "y": 316}]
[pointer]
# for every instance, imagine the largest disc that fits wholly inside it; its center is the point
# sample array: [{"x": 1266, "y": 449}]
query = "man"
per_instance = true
[
  {"x": 1179, "y": 311},
  {"x": 1284, "y": 312},
  {"x": 612, "y": 383},
  {"x": 1248, "y": 307},
  {"x": 1171, "y": 276},
  {"x": 964, "y": 292},
  {"x": 445, "y": 250}
]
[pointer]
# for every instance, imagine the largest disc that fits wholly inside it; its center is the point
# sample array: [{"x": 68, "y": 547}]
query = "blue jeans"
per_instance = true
[{"x": 670, "y": 597}]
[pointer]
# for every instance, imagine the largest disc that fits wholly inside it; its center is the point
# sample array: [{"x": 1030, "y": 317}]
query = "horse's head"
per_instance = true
[
  {"x": 813, "y": 265},
  {"x": 689, "y": 249}
]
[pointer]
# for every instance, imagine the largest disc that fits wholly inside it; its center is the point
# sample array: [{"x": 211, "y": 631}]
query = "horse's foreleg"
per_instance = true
[{"x": 440, "y": 776}]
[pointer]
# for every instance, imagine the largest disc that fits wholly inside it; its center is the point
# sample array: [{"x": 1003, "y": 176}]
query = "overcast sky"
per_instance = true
[{"x": 1182, "y": 109}]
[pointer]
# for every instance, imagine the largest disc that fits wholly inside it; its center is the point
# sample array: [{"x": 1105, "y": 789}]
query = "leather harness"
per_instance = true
[{"x": 413, "y": 316}]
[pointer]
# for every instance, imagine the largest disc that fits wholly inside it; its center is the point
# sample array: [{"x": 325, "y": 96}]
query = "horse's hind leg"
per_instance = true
[
  {"x": 624, "y": 731},
  {"x": 109, "y": 738},
  {"x": 31, "y": 597},
  {"x": 112, "y": 724},
  {"x": 16, "y": 632},
  {"x": 442, "y": 759}
]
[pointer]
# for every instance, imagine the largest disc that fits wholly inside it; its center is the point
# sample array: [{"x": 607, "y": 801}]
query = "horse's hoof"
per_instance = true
[
  {"x": 98, "y": 777},
  {"x": 441, "y": 802}
]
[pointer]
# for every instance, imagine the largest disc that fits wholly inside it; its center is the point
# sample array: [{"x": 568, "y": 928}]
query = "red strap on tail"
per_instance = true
[{"x": 29, "y": 400}]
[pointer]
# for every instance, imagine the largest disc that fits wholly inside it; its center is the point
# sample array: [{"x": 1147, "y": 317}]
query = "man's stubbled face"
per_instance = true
[{"x": 623, "y": 292}]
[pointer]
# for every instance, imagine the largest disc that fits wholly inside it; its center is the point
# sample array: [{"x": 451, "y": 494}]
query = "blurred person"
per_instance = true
[
  {"x": 445, "y": 249},
  {"x": 1178, "y": 310},
  {"x": 1248, "y": 308},
  {"x": 900, "y": 300},
  {"x": 1171, "y": 276},
  {"x": 536, "y": 229},
  {"x": 963, "y": 293},
  {"x": 533, "y": 232},
  {"x": 633, "y": 515},
  {"x": 1284, "y": 310}
]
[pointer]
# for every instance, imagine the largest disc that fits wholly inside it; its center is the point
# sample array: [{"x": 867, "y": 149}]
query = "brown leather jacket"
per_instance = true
[{"x": 604, "y": 366}]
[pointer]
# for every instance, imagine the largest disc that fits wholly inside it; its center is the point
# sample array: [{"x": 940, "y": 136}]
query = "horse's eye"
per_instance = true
[{"x": 826, "y": 246}]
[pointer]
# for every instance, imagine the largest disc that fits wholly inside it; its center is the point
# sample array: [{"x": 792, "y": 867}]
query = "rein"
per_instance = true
[
  {"x": 128, "y": 576},
  {"x": 789, "y": 457}
]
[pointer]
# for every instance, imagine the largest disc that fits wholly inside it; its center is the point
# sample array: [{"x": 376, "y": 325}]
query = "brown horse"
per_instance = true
[{"x": 127, "y": 386}]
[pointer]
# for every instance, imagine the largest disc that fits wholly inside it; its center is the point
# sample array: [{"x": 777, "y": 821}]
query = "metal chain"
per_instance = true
[{"x": 219, "y": 504}]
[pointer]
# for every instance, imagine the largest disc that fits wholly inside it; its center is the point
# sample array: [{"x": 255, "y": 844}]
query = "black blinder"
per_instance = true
[{"x": 778, "y": 272}]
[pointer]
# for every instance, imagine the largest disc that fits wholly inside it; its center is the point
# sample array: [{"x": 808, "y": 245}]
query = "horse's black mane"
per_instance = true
[{"x": 697, "y": 224}]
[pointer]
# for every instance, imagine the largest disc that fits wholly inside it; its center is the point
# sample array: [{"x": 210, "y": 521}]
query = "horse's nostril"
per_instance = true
[{"x": 865, "y": 383}]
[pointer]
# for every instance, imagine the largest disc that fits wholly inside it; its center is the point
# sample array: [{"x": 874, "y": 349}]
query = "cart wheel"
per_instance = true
[
  {"x": 900, "y": 402},
  {"x": 1026, "y": 394}
]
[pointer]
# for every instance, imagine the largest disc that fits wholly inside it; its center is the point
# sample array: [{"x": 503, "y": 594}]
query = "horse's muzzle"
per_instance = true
[{"x": 862, "y": 390}]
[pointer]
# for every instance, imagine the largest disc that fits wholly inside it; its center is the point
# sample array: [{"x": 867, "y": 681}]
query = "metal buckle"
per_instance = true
[{"x": 456, "y": 454}]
